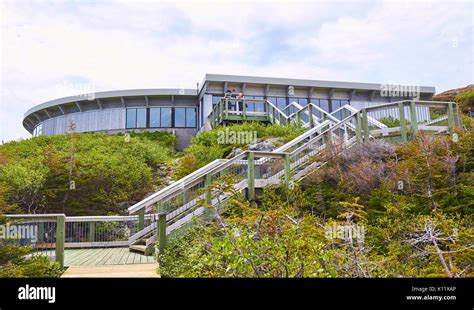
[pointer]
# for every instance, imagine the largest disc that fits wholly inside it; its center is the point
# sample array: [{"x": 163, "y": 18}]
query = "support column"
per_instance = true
[
  {"x": 60, "y": 236},
  {"x": 403, "y": 123}
]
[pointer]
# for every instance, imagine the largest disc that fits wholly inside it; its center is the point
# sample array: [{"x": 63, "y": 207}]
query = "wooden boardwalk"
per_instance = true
[
  {"x": 104, "y": 256},
  {"x": 113, "y": 271}
]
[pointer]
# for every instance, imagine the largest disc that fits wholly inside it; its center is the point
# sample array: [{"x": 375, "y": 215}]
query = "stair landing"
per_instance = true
[{"x": 104, "y": 256}]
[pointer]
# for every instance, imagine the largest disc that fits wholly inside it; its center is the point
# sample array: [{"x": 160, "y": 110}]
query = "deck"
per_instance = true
[{"x": 104, "y": 256}]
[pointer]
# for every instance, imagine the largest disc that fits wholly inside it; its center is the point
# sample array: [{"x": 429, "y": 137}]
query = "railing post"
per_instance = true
[
  {"x": 450, "y": 118},
  {"x": 243, "y": 109},
  {"x": 41, "y": 231},
  {"x": 91, "y": 231},
  {"x": 403, "y": 123},
  {"x": 358, "y": 127},
  {"x": 310, "y": 112},
  {"x": 226, "y": 108},
  {"x": 60, "y": 236},
  {"x": 207, "y": 183},
  {"x": 413, "y": 118},
  {"x": 161, "y": 231},
  {"x": 365, "y": 125},
  {"x": 287, "y": 167},
  {"x": 251, "y": 176},
  {"x": 141, "y": 219}
]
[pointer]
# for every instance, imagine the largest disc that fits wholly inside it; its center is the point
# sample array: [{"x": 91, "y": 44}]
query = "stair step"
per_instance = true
[{"x": 138, "y": 247}]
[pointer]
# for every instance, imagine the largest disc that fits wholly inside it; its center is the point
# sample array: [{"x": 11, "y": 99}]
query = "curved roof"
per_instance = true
[{"x": 97, "y": 101}]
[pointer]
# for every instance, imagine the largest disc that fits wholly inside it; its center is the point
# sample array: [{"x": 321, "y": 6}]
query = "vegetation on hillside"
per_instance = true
[
  {"x": 108, "y": 172},
  {"x": 409, "y": 210},
  {"x": 208, "y": 146}
]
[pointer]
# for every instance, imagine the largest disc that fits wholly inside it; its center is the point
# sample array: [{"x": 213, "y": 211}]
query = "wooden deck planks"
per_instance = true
[
  {"x": 113, "y": 271},
  {"x": 104, "y": 256}
]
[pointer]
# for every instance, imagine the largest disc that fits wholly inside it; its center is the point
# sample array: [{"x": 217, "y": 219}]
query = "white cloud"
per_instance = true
[{"x": 152, "y": 45}]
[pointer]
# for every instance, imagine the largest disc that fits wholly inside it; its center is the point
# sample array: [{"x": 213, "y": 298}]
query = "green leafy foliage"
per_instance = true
[{"x": 110, "y": 172}]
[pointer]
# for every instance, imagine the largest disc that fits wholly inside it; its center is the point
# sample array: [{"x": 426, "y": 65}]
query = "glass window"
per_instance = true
[
  {"x": 38, "y": 131},
  {"x": 155, "y": 117},
  {"x": 166, "y": 117},
  {"x": 259, "y": 106},
  {"x": 324, "y": 104},
  {"x": 216, "y": 99},
  {"x": 141, "y": 118},
  {"x": 303, "y": 101},
  {"x": 190, "y": 117},
  {"x": 281, "y": 103},
  {"x": 131, "y": 118},
  {"x": 180, "y": 117}
]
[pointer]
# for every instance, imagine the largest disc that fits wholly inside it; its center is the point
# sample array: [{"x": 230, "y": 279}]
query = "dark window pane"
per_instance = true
[
  {"x": 141, "y": 118},
  {"x": 179, "y": 117},
  {"x": 131, "y": 118},
  {"x": 155, "y": 117},
  {"x": 165, "y": 117},
  {"x": 303, "y": 101},
  {"x": 191, "y": 117}
]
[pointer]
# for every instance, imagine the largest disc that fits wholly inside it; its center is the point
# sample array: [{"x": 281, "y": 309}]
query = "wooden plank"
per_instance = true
[
  {"x": 130, "y": 258},
  {"x": 106, "y": 257},
  {"x": 71, "y": 256},
  {"x": 78, "y": 256},
  {"x": 124, "y": 258}
]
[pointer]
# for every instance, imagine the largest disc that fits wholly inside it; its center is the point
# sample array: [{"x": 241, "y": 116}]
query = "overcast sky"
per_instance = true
[{"x": 53, "y": 49}]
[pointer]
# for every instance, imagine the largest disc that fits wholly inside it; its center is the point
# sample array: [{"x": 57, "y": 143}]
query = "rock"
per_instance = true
[
  {"x": 235, "y": 151},
  {"x": 265, "y": 146}
]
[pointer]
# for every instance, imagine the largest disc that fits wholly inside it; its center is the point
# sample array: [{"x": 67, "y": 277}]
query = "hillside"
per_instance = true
[{"x": 109, "y": 172}]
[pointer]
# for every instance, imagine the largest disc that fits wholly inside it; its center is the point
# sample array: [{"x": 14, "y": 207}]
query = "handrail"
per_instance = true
[{"x": 174, "y": 186}]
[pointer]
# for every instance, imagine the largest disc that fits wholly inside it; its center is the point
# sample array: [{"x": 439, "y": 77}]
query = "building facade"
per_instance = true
[{"x": 185, "y": 111}]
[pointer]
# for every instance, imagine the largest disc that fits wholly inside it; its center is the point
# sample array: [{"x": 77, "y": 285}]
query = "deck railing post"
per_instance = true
[
  {"x": 358, "y": 127},
  {"x": 310, "y": 112},
  {"x": 403, "y": 123},
  {"x": 60, "y": 236},
  {"x": 365, "y": 125},
  {"x": 244, "y": 116},
  {"x": 251, "y": 176},
  {"x": 207, "y": 183},
  {"x": 450, "y": 118},
  {"x": 161, "y": 231},
  {"x": 141, "y": 219},
  {"x": 91, "y": 231},
  {"x": 287, "y": 167},
  {"x": 413, "y": 118}
]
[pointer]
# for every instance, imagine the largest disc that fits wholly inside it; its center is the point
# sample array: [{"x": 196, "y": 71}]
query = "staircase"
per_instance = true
[{"x": 178, "y": 205}]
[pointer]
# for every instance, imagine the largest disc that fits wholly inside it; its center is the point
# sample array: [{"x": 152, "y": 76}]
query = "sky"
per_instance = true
[{"x": 53, "y": 49}]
